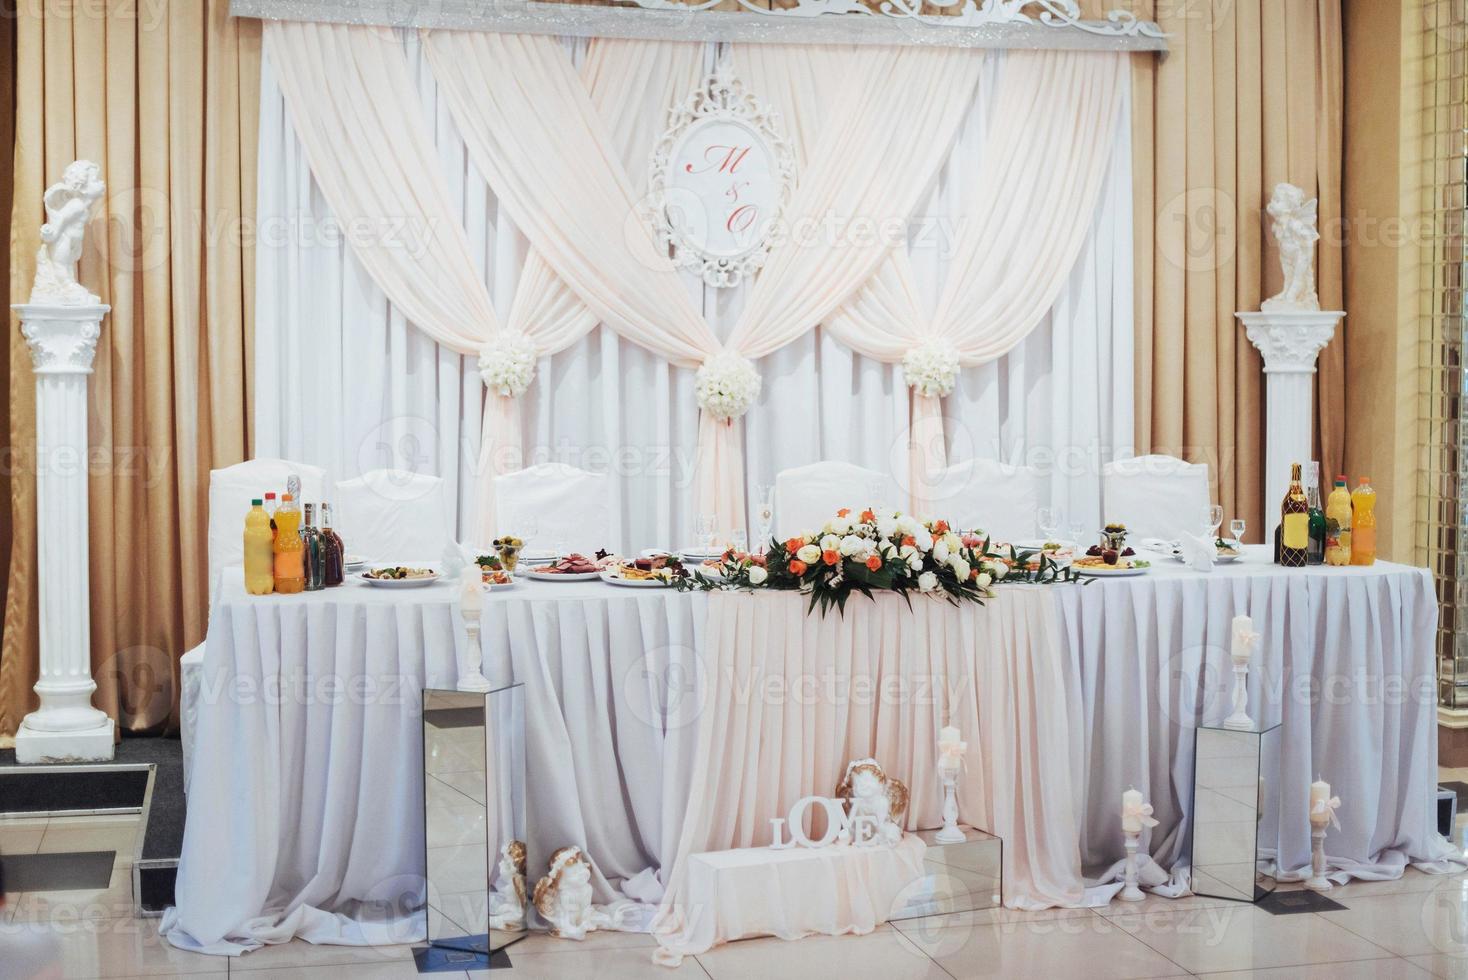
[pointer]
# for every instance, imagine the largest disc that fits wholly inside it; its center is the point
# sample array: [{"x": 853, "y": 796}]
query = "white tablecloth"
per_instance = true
[
  {"x": 305, "y": 810},
  {"x": 305, "y": 807}
]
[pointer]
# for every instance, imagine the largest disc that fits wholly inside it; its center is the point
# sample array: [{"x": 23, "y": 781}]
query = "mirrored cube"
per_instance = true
[
  {"x": 957, "y": 877},
  {"x": 474, "y": 818},
  {"x": 1235, "y": 808}
]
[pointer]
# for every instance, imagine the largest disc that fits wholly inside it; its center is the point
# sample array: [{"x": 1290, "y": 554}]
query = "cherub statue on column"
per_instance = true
[{"x": 69, "y": 206}]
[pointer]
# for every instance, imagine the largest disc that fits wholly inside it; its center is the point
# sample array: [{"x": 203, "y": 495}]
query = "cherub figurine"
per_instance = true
[
  {"x": 1294, "y": 229},
  {"x": 870, "y": 792},
  {"x": 68, "y": 207},
  {"x": 563, "y": 896},
  {"x": 507, "y": 901}
]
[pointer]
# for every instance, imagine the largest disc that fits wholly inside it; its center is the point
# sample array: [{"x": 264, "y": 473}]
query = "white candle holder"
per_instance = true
[
  {"x": 1130, "y": 892},
  {"x": 472, "y": 678},
  {"x": 1317, "y": 880},
  {"x": 1240, "y": 721},
  {"x": 950, "y": 834}
]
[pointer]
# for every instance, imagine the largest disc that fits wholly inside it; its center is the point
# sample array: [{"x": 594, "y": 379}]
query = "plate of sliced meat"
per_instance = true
[{"x": 572, "y": 568}]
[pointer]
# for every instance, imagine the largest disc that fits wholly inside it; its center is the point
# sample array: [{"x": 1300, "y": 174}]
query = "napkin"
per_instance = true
[{"x": 1198, "y": 551}]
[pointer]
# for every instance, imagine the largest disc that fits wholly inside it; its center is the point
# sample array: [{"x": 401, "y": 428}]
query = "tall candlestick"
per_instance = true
[
  {"x": 1241, "y": 648},
  {"x": 951, "y": 747}
]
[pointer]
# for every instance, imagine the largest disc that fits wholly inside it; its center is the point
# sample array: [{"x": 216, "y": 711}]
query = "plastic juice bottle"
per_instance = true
[
  {"x": 290, "y": 555},
  {"x": 259, "y": 562},
  {"x": 1338, "y": 525},
  {"x": 1363, "y": 524}
]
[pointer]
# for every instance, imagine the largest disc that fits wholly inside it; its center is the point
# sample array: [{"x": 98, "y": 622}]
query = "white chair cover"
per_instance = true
[
  {"x": 806, "y": 497},
  {"x": 1001, "y": 498},
  {"x": 1155, "y": 496},
  {"x": 565, "y": 503},
  {"x": 393, "y": 517},
  {"x": 230, "y": 492}
]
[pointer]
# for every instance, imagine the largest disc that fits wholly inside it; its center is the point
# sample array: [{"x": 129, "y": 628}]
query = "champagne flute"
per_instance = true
[
  {"x": 703, "y": 531},
  {"x": 1212, "y": 517}
]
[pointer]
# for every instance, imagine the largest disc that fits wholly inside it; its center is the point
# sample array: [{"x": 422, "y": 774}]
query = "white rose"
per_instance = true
[
  {"x": 1001, "y": 570},
  {"x": 839, "y": 525},
  {"x": 830, "y": 543},
  {"x": 984, "y": 580},
  {"x": 915, "y": 563},
  {"x": 757, "y": 575},
  {"x": 907, "y": 524},
  {"x": 960, "y": 568},
  {"x": 851, "y": 544},
  {"x": 953, "y": 541},
  {"x": 809, "y": 554},
  {"x": 886, "y": 526},
  {"x": 940, "y": 552},
  {"x": 927, "y": 581},
  {"x": 923, "y": 539}
]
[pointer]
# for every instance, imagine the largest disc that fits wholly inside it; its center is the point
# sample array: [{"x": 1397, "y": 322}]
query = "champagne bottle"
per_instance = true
[
  {"x": 1315, "y": 554},
  {"x": 1294, "y": 544}
]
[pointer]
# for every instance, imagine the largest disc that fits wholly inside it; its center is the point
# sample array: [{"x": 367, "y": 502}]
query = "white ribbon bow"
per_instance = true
[
  {"x": 1140, "y": 811},
  {"x": 952, "y": 751},
  {"x": 1328, "y": 807}
]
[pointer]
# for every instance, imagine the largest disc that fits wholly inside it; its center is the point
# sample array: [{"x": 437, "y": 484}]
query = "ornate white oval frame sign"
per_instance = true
[{"x": 721, "y": 176}]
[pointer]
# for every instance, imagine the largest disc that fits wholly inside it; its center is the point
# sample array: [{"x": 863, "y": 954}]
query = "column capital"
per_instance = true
[
  {"x": 62, "y": 339},
  {"x": 1290, "y": 340}
]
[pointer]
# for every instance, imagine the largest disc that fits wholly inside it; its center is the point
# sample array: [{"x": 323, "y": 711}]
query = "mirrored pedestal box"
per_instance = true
[
  {"x": 1235, "y": 812},
  {"x": 958, "y": 877},
  {"x": 474, "y": 819}
]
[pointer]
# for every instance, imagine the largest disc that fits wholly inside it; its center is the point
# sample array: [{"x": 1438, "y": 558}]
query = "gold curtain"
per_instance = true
[
  {"x": 165, "y": 97},
  {"x": 1250, "y": 94}
]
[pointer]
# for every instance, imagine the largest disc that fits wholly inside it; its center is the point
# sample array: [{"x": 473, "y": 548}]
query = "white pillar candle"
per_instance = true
[
  {"x": 1131, "y": 811},
  {"x": 471, "y": 590},
  {"x": 1242, "y": 639},
  {"x": 1319, "y": 802}
]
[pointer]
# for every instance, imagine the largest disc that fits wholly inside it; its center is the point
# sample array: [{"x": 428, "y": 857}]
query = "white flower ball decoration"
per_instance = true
[
  {"x": 507, "y": 364},
  {"x": 727, "y": 384},
  {"x": 931, "y": 368}
]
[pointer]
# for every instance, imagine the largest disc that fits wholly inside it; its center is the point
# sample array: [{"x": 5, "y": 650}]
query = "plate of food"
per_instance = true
[
  {"x": 399, "y": 577},
  {"x": 634, "y": 575},
  {"x": 1110, "y": 564},
  {"x": 1228, "y": 550},
  {"x": 572, "y": 568},
  {"x": 497, "y": 578}
]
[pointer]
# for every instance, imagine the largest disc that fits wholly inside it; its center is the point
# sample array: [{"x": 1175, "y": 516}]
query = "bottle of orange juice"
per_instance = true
[
  {"x": 1338, "y": 525},
  {"x": 290, "y": 564},
  {"x": 259, "y": 562},
  {"x": 1363, "y": 524}
]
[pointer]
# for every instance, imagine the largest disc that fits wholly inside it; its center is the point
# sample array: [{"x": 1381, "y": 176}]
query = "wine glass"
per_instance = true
[
  {"x": 766, "y": 514},
  {"x": 1076, "y": 530},
  {"x": 1212, "y": 516},
  {"x": 1048, "y": 519},
  {"x": 1236, "y": 528},
  {"x": 703, "y": 532}
]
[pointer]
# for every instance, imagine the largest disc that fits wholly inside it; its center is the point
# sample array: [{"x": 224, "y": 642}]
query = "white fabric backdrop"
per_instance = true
[{"x": 344, "y": 381}]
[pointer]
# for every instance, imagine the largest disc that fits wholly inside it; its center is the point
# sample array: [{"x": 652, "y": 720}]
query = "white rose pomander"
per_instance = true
[
  {"x": 507, "y": 364},
  {"x": 727, "y": 384},
  {"x": 931, "y": 368}
]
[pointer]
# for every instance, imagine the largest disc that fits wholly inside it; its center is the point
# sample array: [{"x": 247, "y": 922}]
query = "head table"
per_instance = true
[{"x": 663, "y": 724}]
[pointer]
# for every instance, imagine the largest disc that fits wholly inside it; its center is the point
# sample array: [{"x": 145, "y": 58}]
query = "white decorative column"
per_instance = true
[
  {"x": 61, "y": 325},
  {"x": 66, "y": 728},
  {"x": 1290, "y": 341}
]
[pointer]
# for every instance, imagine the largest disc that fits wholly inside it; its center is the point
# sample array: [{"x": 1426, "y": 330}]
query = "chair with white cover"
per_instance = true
[
  {"x": 1003, "y": 499},
  {"x": 394, "y": 517},
  {"x": 806, "y": 497},
  {"x": 1155, "y": 496},
  {"x": 564, "y": 503},
  {"x": 230, "y": 491}
]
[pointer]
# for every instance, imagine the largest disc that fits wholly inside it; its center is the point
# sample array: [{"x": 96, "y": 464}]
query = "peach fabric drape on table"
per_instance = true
[
  {"x": 790, "y": 697},
  {"x": 164, "y": 97}
]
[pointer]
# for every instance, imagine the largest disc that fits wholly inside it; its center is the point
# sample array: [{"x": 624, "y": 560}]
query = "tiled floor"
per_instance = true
[{"x": 1414, "y": 927}]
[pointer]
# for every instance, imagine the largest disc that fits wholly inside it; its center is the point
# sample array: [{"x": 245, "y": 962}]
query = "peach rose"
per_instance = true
[
  {"x": 875, "y": 563},
  {"x": 797, "y": 567}
]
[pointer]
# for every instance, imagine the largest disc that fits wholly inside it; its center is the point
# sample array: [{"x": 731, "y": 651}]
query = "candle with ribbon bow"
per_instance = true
[
  {"x": 951, "y": 748},
  {"x": 1323, "y": 806},
  {"x": 1136, "y": 813}
]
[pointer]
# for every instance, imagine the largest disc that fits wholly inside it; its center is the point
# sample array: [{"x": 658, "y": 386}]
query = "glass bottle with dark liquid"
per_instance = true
[
  {"x": 1294, "y": 525},
  {"x": 1315, "y": 554},
  {"x": 311, "y": 543},
  {"x": 334, "y": 553}
]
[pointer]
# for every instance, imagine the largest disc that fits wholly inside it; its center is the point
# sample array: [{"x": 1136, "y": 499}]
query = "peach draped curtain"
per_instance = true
[
  {"x": 890, "y": 128},
  {"x": 164, "y": 97}
]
